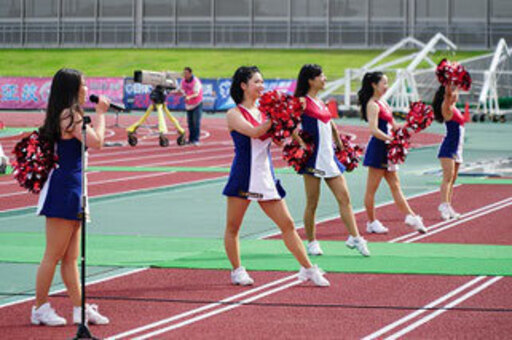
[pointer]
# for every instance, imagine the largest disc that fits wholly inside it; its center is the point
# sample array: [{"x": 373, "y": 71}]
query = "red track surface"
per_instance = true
[
  {"x": 355, "y": 306},
  {"x": 151, "y": 295},
  {"x": 497, "y": 230},
  {"x": 217, "y": 150},
  {"x": 358, "y": 304}
]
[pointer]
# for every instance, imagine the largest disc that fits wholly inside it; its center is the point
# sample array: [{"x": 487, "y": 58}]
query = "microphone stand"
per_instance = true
[{"x": 83, "y": 331}]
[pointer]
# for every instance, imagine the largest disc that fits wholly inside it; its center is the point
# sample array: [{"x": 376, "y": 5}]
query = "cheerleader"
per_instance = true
[
  {"x": 252, "y": 178},
  {"x": 380, "y": 120},
  {"x": 323, "y": 164},
  {"x": 450, "y": 151},
  {"x": 60, "y": 196}
]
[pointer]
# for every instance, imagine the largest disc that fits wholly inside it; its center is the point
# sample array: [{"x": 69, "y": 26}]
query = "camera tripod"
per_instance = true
[{"x": 157, "y": 96}]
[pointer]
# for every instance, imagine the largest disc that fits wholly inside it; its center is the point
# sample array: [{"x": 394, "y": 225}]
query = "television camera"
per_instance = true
[{"x": 162, "y": 83}]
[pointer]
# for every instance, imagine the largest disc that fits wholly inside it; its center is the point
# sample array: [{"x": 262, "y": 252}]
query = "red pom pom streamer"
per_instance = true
[
  {"x": 399, "y": 146},
  {"x": 297, "y": 155},
  {"x": 420, "y": 116},
  {"x": 285, "y": 112},
  {"x": 455, "y": 73},
  {"x": 34, "y": 158},
  {"x": 350, "y": 154}
]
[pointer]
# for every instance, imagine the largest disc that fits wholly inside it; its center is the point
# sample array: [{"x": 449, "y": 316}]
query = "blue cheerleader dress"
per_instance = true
[
  {"x": 316, "y": 121},
  {"x": 376, "y": 155},
  {"x": 60, "y": 196},
  {"x": 453, "y": 141},
  {"x": 252, "y": 173}
]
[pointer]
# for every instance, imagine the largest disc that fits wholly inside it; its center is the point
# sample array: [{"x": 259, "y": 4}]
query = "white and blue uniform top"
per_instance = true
[
  {"x": 60, "y": 195},
  {"x": 376, "y": 155},
  {"x": 451, "y": 146},
  {"x": 316, "y": 121},
  {"x": 252, "y": 173}
]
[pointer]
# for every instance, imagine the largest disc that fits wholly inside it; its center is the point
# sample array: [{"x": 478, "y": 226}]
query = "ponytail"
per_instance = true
[
  {"x": 366, "y": 91},
  {"x": 437, "y": 104}
]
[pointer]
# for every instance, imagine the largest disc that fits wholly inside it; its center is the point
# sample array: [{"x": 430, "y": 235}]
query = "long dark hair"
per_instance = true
[
  {"x": 242, "y": 75},
  {"x": 63, "y": 95},
  {"x": 307, "y": 72},
  {"x": 437, "y": 103},
  {"x": 366, "y": 91}
]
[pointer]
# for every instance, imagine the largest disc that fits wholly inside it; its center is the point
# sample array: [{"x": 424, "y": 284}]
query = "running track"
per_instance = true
[{"x": 355, "y": 306}]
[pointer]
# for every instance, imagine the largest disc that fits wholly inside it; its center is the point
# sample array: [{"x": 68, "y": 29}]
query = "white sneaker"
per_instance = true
[
  {"x": 444, "y": 210},
  {"x": 314, "y": 274},
  {"x": 92, "y": 315},
  {"x": 314, "y": 248},
  {"x": 45, "y": 315},
  {"x": 376, "y": 227},
  {"x": 359, "y": 243},
  {"x": 240, "y": 277},
  {"x": 453, "y": 213},
  {"x": 416, "y": 222}
]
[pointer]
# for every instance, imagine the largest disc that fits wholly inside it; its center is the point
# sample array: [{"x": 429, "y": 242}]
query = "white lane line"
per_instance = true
[
  {"x": 424, "y": 309},
  {"x": 219, "y": 310},
  {"x": 440, "y": 224},
  {"x": 438, "y": 312},
  {"x": 134, "y": 271},
  {"x": 430, "y": 233},
  {"x": 336, "y": 216},
  {"x": 201, "y": 309},
  {"x": 161, "y": 155},
  {"x": 121, "y": 179}
]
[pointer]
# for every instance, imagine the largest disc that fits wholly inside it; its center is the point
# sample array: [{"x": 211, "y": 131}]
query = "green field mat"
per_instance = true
[{"x": 198, "y": 253}]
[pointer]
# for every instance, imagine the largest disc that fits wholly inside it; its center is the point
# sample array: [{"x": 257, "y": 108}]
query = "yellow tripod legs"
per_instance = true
[{"x": 161, "y": 109}]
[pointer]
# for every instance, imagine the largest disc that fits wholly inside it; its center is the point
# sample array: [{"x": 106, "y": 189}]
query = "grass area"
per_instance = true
[{"x": 207, "y": 63}]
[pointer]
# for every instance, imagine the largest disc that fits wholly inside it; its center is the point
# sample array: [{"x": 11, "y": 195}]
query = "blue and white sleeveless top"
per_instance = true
[
  {"x": 453, "y": 141},
  {"x": 316, "y": 121},
  {"x": 252, "y": 173}
]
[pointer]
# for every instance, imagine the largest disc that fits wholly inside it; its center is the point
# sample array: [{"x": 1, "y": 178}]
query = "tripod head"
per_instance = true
[{"x": 158, "y": 94}]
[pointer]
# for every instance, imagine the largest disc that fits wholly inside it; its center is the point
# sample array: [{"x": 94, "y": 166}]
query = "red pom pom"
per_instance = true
[
  {"x": 420, "y": 116},
  {"x": 34, "y": 159},
  {"x": 297, "y": 155},
  {"x": 350, "y": 154},
  {"x": 399, "y": 146},
  {"x": 285, "y": 112},
  {"x": 455, "y": 73}
]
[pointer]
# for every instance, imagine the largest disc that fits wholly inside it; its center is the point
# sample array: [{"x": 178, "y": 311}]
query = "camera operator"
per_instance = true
[{"x": 192, "y": 89}]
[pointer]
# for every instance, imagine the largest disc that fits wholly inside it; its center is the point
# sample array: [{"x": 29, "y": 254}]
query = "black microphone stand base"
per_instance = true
[{"x": 83, "y": 333}]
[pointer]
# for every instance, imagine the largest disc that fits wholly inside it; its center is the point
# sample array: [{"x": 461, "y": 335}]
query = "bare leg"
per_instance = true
[
  {"x": 448, "y": 166},
  {"x": 339, "y": 188},
  {"x": 398, "y": 196},
  {"x": 235, "y": 214},
  {"x": 278, "y": 212},
  {"x": 69, "y": 268},
  {"x": 454, "y": 178},
  {"x": 312, "y": 187},
  {"x": 59, "y": 232},
  {"x": 374, "y": 177}
]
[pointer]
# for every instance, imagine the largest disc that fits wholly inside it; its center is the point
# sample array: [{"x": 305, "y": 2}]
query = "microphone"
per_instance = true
[{"x": 115, "y": 106}]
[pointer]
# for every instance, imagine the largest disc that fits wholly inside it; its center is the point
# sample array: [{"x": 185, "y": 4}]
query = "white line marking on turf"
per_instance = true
[
  {"x": 445, "y": 308},
  {"x": 220, "y": 310},
  {"x": 440, "y": 224},
  {"x": 430, "y": 233},
  {"x": 201, "y": 309},
  {"x": 336, "y": 216},
  {"x": 134, "y": 271},
  {"x": 424, "y": 309}
]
